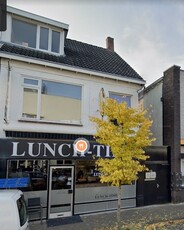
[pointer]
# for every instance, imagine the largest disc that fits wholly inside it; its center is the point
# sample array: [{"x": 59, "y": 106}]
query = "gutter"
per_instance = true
[{"x": 73, "y": 69}]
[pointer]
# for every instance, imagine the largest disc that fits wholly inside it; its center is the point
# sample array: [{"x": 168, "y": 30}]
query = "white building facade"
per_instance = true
[{"x": 49, "y": 87}]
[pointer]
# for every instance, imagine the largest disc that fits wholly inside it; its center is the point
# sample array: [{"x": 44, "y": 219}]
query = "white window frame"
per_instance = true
[
  {"x": 50, "y": 32},
  {"x": 38, "y": 39},
  {"x": 39, "y": 87},
  {"x": 30, "y": 86},
  {"x": 122, "y": 94},
  {"x": 39, "y": 25}
]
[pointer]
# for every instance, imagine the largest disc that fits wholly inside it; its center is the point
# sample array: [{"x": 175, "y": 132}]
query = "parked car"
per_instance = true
[{"x": 13, "y": 211}]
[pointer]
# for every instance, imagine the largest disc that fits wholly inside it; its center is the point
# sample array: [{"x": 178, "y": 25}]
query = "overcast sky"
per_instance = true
[{"x": 148, "y": 34}]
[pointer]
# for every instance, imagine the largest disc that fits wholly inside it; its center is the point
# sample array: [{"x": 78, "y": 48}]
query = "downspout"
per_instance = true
[
  {"x": 141, "y": 88},
  {"x": 7, "y": 95}
]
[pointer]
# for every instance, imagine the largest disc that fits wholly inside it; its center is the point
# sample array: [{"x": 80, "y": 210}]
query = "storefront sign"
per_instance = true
[
  {"x": 46, "y": 149},
  {"x": 81, "y": 145},
  {"x": 106, "y": 196},
  {"x": 150, "y": 176}
]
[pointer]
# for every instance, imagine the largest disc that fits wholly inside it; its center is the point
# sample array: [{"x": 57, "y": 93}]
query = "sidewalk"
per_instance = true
[{"x": 143, "y": 215}]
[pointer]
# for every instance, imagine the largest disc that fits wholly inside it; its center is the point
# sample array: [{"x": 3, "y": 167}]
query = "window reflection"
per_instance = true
[
  {"x": 24, "y": 33},
  {"x": 35, "y": 170},
  {"x": 86, "y": 174},
  {"x": 61, "y": 178},
  {"x": 44, "y": 38},
  {"x": 120, "y": 98},
  {"x": 55, "y": 41}
]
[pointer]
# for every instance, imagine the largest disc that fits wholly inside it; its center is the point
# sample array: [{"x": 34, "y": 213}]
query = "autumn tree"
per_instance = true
[{"x": 127, "y": 131}]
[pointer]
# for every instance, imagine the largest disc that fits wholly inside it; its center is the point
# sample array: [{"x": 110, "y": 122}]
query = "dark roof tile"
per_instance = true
[{"x": 81, "y": 55}]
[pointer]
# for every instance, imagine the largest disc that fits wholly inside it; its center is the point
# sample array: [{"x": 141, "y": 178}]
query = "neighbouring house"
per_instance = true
[
  {"x": 49, "y": 86},
  {"x": 165, "y": 103}
]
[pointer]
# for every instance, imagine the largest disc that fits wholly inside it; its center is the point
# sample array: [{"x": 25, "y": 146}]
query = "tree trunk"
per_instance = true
[{"x": 119, "y": 208}]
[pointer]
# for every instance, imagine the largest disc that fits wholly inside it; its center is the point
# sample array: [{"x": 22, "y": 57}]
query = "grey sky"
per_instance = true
[{"x": 148, "y": 34}]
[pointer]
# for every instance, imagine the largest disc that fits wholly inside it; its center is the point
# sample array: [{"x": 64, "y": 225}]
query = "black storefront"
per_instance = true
[
  {"x": 67, "y": 181},
  {"x": 61, "y": 174}
]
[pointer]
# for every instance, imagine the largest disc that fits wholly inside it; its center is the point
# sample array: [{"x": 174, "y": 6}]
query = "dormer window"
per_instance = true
[
  {"x": 24, "y": 33},
  {"x": 44, "y": 38},
  {"x": 36, "y": 36},
  {"x": 55, "y": 41}
]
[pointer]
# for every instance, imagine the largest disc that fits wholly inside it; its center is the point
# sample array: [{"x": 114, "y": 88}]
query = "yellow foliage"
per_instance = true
[{"x": 127, "y": 132}]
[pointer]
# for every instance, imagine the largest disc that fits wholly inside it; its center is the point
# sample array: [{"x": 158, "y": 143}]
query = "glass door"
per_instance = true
[{"x": 61, "y": 191}]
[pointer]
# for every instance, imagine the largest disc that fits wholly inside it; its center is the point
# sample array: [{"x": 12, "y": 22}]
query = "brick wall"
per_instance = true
[{"x": 171, "y": 127}]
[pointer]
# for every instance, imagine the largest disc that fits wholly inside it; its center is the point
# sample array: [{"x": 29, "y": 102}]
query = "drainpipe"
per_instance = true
[{"x": 7, "y": 95}]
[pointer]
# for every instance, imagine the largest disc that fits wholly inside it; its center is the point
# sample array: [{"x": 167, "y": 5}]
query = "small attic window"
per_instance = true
[
  {"x": 35, "y": 36},
  {"x": 55, "y": 41},
  {"x": 24, "y": 33},
  {"x": 44, "y": 38}
]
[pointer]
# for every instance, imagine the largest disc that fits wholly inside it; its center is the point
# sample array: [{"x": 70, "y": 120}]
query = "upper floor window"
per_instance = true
[
  {"x": 55, "y": 41},
  {"x": 24, "y": 33},
  {"x": 120, "y": 98},
  {"x": 51, "y": 101},
  {"x": 44, "y": 38},
  {"x": 35, "y": 36}
]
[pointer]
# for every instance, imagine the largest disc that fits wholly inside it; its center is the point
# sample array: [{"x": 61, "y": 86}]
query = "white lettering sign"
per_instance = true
[{"x": 35, "y": 149}]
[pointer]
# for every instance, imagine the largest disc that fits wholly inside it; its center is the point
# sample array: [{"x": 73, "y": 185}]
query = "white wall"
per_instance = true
[
  {"x": 3, "y": 90},
  {"x": 90, "y": 95},
  {"x": 152, "y": 102}
]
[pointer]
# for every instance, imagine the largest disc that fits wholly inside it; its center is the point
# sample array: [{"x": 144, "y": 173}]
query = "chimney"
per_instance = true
[{"x": 110, "y": 43}]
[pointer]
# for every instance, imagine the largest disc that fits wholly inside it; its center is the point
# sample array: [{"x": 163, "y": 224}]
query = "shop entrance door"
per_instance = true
[
  {"x": 61, "y": 191},
  {"x": 157, "y": 191}
]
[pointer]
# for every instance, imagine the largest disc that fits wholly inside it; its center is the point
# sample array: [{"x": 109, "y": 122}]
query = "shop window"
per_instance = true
[
  {"x": 35, "y": 36},
  {"x": 86, "y": 174},
  {"x": 35, "y": 170},
  {"x": 41, "y": 98},
  {"x": 120, "y": 98}
]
